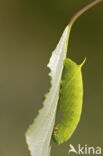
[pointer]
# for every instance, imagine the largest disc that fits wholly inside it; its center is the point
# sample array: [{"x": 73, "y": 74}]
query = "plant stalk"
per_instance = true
[{"x": 80, "y": 12}]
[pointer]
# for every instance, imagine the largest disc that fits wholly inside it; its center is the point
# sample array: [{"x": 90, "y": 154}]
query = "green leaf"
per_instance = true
[{"x": 39, "y": 134}]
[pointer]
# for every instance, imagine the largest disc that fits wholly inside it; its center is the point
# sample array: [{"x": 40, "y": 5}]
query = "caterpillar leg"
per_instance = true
[{"x": 55, "y": 129}]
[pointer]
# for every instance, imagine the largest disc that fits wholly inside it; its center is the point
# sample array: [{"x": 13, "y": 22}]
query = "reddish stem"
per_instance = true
[{"x": 80, "y": 12}]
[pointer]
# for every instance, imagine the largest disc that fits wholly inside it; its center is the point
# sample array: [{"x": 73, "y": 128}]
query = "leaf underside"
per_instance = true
[{"x": 39, "y": 134}]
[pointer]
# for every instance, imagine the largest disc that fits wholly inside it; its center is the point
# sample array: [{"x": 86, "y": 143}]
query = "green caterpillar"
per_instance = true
[{"x": 70, "y": 101}]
